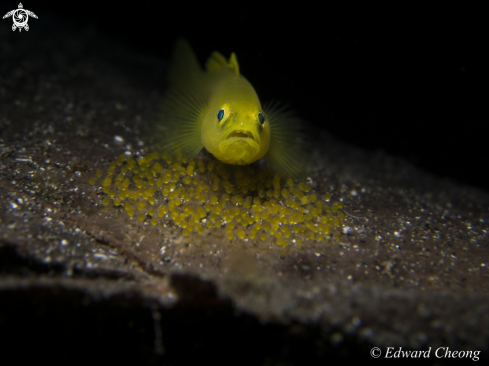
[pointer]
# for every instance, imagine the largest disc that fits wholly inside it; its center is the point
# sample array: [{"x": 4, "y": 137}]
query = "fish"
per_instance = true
[{"x": 217, "y": 108}]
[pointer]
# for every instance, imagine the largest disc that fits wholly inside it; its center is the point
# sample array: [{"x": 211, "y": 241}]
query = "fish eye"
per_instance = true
[
  {"x": 261, "y": 117},
  {"x": 220, "y": 115}
]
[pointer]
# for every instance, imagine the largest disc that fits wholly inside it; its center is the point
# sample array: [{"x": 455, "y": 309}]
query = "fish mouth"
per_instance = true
[
  {"x": 240, "y": 134},
  {"x": 239, "y": 147}
]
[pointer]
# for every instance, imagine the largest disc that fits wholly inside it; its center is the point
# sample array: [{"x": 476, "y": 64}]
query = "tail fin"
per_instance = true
[{"x": 185, "y": 66}]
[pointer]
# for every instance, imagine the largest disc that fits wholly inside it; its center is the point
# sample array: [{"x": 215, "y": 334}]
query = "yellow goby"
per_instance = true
[{"x": 219, "y": 109}]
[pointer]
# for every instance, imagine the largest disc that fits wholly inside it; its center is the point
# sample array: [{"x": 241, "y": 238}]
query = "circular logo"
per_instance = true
[
  {"x": 20, "y": 18},
  {"x": 375, "y": 352}
]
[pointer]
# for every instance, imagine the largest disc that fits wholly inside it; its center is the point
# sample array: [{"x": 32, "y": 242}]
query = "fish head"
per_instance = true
[{"x": 242, "y": 133}]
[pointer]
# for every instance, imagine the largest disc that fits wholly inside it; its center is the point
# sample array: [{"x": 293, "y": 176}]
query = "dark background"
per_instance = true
[{"x": 408, "y": 81}]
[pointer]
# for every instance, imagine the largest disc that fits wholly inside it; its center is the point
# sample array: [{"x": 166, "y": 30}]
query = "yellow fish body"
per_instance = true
[{"x": 219, "y": 109}]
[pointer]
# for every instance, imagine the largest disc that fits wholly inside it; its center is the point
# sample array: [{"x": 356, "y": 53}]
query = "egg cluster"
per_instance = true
[{"x": 200, "y": 195}]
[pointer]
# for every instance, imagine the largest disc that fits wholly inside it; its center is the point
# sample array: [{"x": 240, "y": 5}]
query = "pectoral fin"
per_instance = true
[
  {"x": 178, "y": 127},
  {"x": 287, "y": 153}
]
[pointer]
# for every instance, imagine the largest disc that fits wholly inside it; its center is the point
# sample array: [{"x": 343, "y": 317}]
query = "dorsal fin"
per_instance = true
[
  {"x": 217, "y": 60},
  {"x": 233, "y": 63}
]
